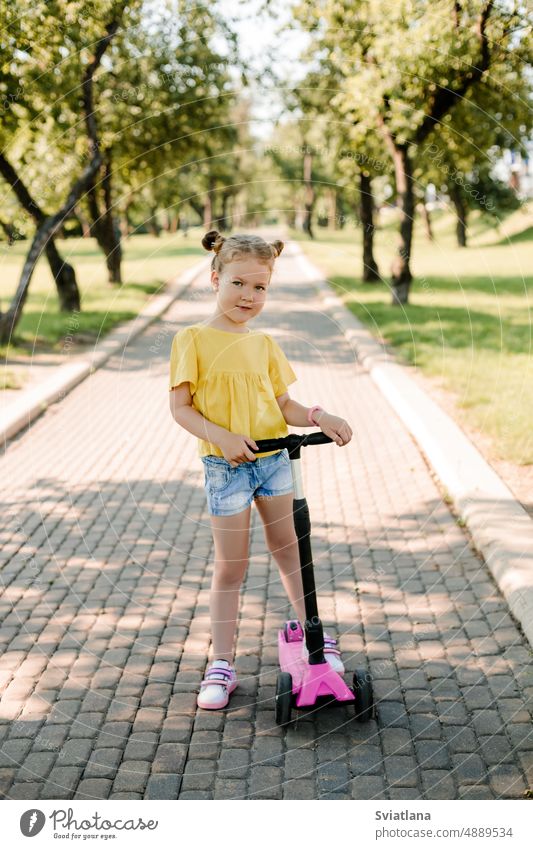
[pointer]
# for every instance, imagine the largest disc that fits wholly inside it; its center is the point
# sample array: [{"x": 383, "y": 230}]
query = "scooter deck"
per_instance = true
[{"x": 310, "y": 682}]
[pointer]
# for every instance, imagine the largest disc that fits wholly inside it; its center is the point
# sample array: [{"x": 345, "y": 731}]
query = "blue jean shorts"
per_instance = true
[{"x": 231, "y": 489}]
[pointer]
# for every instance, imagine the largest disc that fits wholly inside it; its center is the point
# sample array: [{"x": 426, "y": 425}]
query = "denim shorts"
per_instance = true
[{"x": 231, "y": 489}]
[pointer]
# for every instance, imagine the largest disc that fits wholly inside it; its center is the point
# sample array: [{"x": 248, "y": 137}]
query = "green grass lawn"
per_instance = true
[
  {"x": 149, "y": 262},
  {"x": 469, "y": 321}
]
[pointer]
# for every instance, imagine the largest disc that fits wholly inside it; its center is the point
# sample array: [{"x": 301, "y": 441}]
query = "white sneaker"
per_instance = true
[
  {"x": 214, "y": 695},
  {"x": 331, "y": 653}
]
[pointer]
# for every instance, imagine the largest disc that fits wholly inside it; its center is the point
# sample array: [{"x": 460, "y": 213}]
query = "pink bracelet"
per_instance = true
[{"x": 310, "y": 414}]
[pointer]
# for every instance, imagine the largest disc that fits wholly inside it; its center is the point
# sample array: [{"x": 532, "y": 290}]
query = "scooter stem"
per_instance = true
[{"x": 314, "y": 634}]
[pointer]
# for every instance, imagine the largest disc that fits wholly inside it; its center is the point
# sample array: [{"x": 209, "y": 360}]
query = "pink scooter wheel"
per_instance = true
[
  {"x": 283, "y": 698},
  {"x": 364, "y": 697}
]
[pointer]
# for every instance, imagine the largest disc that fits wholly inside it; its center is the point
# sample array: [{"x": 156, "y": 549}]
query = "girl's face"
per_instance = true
[{"x": 242, "y": 287}]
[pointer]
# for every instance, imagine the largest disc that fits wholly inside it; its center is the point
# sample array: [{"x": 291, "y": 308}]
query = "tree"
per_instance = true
[
  {"x": 28, "y": 42},
  {"x": 51, "y": 224},
  {"x": 354, "y": 158},
  {"x": 410, "y": 64},
  {"x": 159, "y": 99},
  {"x": 63, "y": 273},
  {"x": 459, "y": 156},
  {"x": 168, "y": 119}
]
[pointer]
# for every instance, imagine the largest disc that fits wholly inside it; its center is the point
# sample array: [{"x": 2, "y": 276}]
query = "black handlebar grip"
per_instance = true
[
  {"x": 317, "y": 438},
  {"x": 290, "y": 441}
]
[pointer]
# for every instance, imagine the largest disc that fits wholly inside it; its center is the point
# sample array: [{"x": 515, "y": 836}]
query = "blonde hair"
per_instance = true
[{"x": 228, "y": 249}]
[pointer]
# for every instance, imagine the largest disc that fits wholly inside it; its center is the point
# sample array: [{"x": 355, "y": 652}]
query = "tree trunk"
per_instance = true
[
  {"x": 125, "y": 222},
  {"x": 9, "y": 230},
  {"x": 426, "y": 218},
  {"x": 84, "y": 224},
  {"x": 65, "y": 277},
  {"x": 62, "y": 272},
  {"x": 173, "y": 222},
  {"x": 224, "y": 218},
  {"x": 208, "y": 205},
  {"x": 460, "y": 212},
  {"x": 342, "y": 213},
  {"x": 366, "y": 211},
  {"x": 104, "y": 227},
  {"x": 333, "y": 216},
  {"x": 152, "y": 223},
  {"x": 197, "y": 208},
  {"x": 441, "y": 102},
  {"x": 401, "y": 272},
  {"x": 107, "y": 233},
  {"x": 309, "y": 195},
  {"x": 238, "y": 210},
  {"x": 45, "y": 231}
]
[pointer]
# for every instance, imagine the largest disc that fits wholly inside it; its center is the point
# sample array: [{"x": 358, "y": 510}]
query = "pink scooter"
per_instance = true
[{"x": 304, "y": 684}]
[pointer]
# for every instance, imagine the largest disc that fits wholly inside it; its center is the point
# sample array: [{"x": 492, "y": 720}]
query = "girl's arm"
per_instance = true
[
  {"x": 190, "y": 419},
  {"x": 296, "y": 414}
]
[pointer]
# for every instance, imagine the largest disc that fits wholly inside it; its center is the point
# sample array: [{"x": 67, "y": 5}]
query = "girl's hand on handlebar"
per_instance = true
[
  {"x": 336, "y": 428},
  {"x": 236, "y": 449}
]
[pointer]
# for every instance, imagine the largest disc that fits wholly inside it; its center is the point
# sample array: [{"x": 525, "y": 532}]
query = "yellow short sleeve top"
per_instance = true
[{"x": 234, "y": 379}]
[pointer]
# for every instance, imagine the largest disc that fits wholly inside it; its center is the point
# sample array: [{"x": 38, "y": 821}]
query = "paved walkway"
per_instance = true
[{"x": 106, "y": 564}]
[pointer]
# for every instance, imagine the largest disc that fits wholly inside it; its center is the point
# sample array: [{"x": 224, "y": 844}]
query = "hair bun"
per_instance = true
[
  {"x": 277, "y": 247},
  {"x": 210, "y": 240}
]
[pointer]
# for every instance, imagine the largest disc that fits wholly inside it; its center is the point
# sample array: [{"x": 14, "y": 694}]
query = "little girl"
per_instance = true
[{"x": 229, "y": 387}]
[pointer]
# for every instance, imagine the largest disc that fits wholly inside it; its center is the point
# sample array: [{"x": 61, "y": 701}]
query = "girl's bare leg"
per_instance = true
[
  {"x": 276, "y": 514},
  {"x": 231, "y": 535}
]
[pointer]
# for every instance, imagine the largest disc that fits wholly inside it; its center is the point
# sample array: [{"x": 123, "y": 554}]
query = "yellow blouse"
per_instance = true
[{"x": 234, "y": 379}]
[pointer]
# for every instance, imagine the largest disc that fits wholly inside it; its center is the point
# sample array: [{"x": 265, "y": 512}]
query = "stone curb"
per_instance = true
[
  {"x": 33, "y": 402},
  {"x": 501, "y": 529}
]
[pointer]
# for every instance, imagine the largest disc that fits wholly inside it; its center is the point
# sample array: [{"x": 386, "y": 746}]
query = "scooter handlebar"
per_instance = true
[{"x": 291, "y": 441}]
